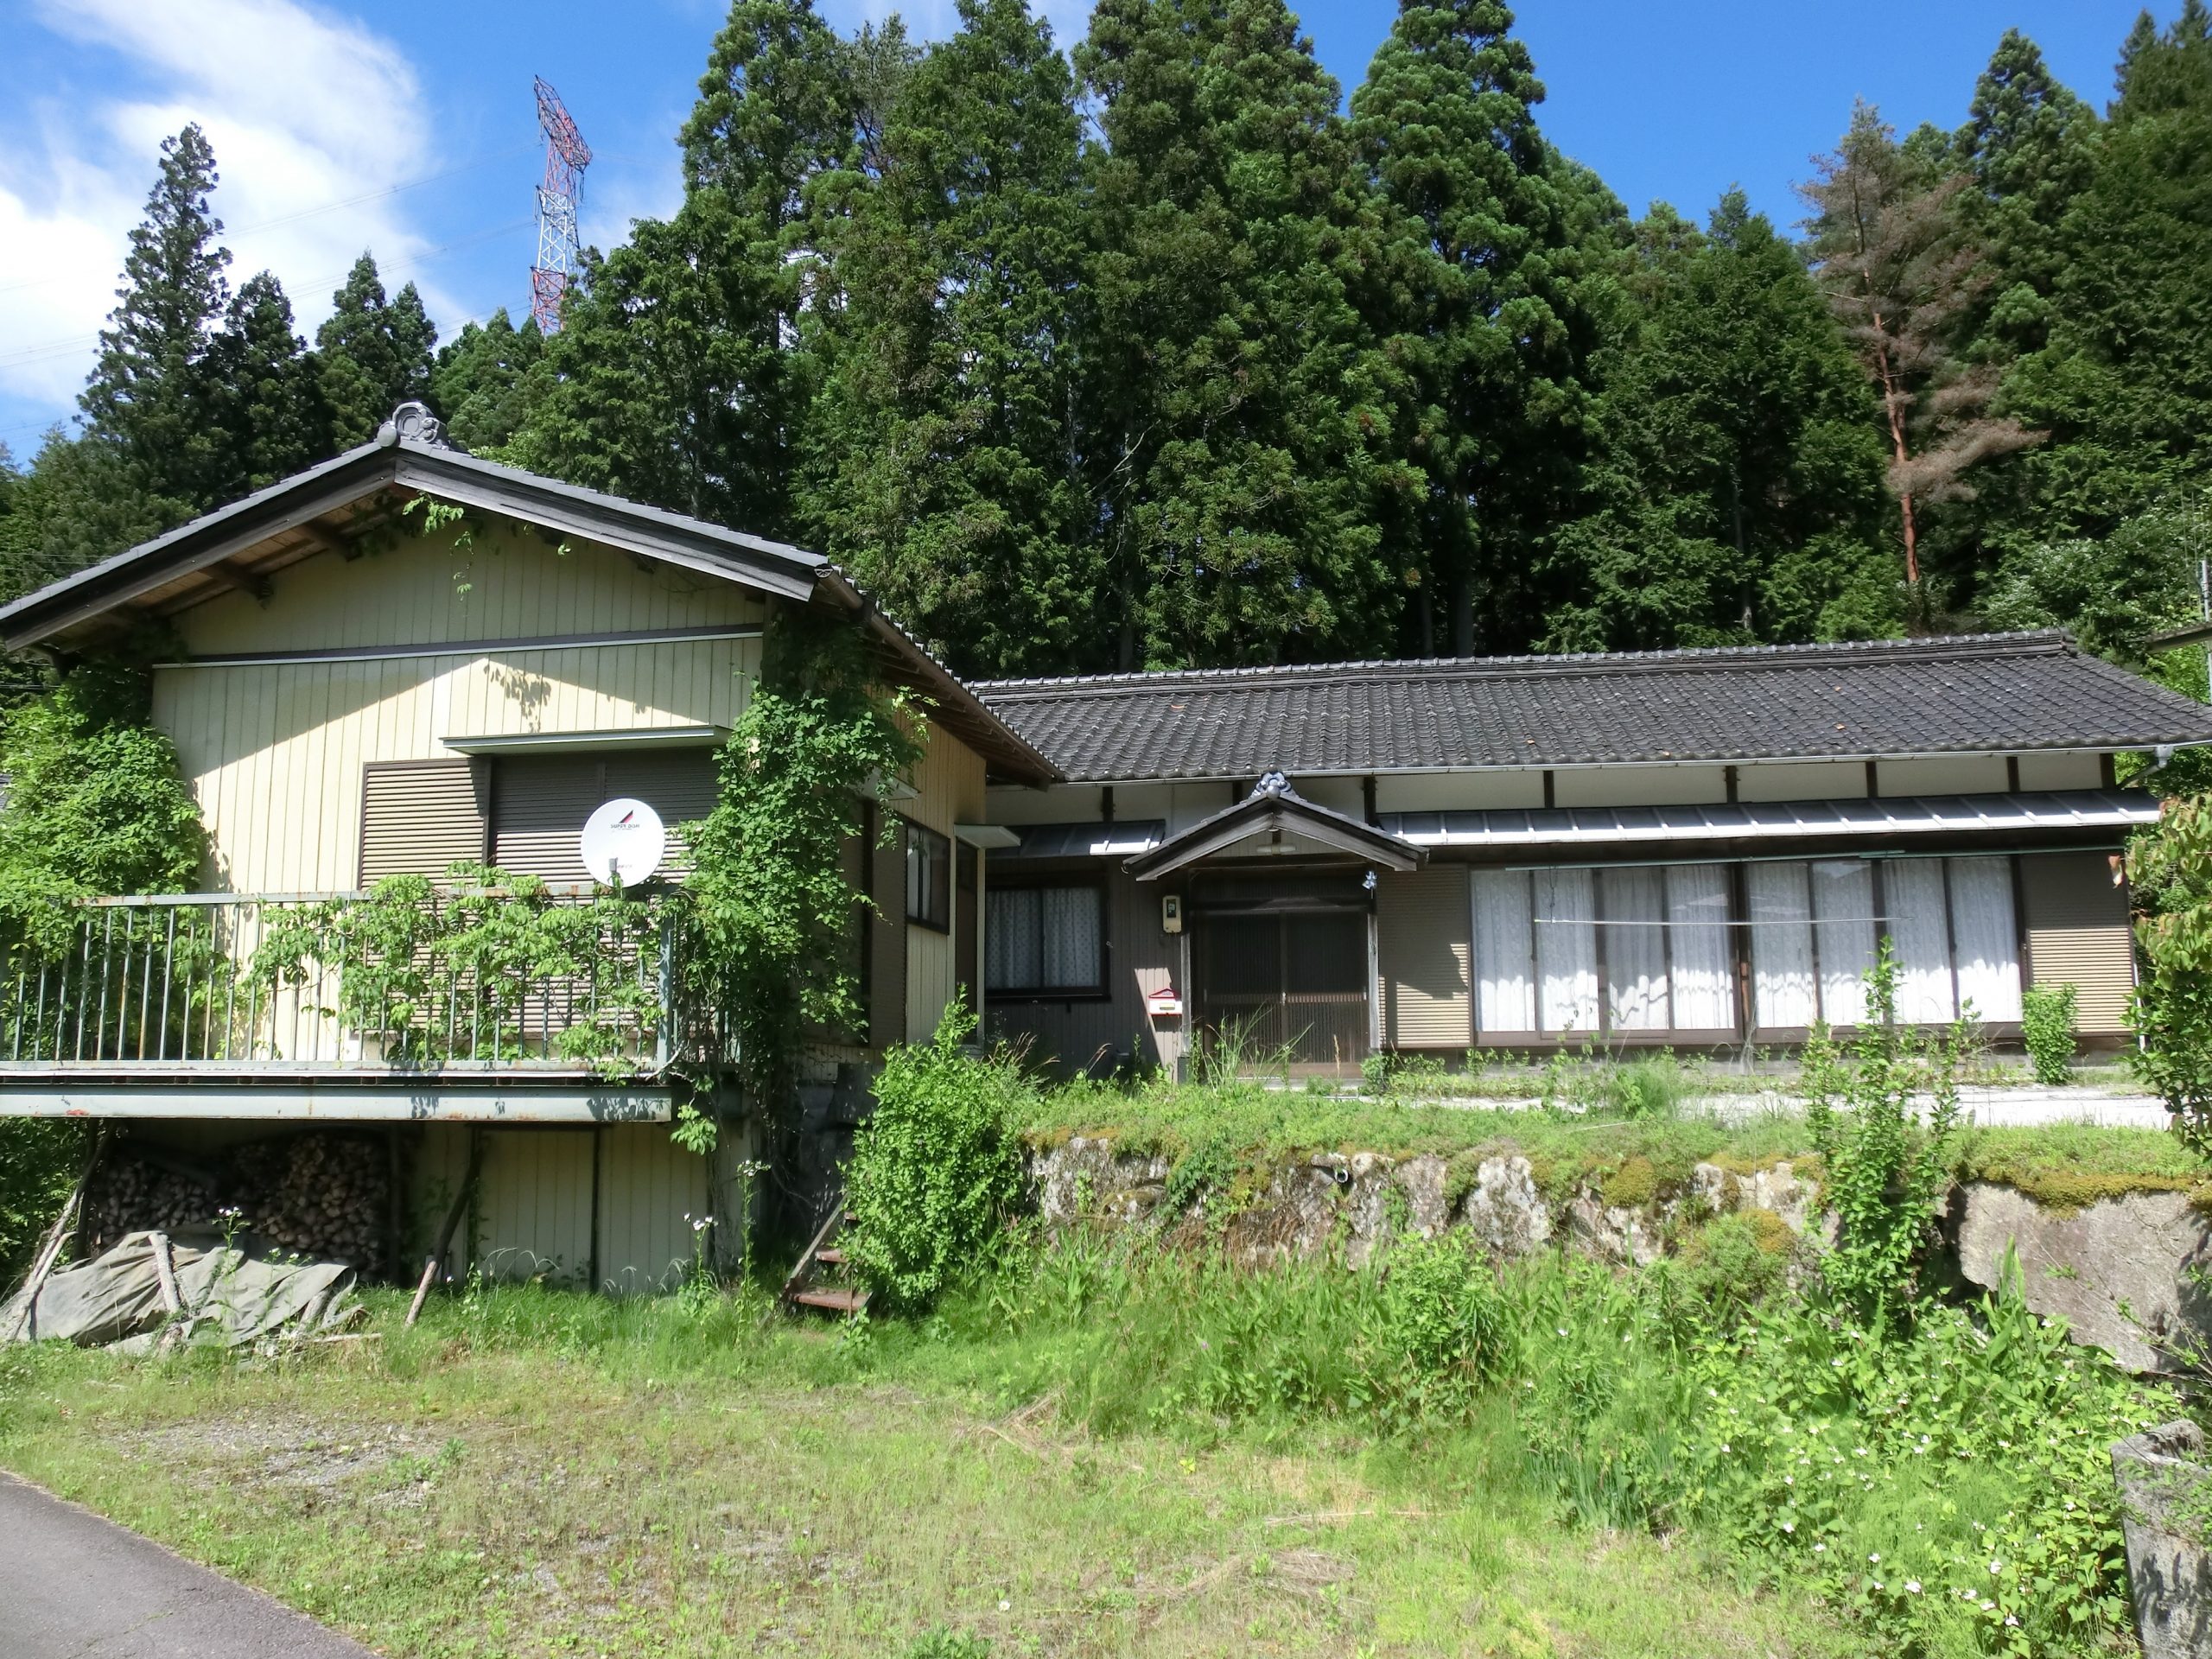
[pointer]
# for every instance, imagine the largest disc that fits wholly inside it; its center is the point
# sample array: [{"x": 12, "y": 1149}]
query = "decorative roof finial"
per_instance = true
[
  {"x": 413, "y": 421},
  {"x": 1272, "y": 783}
]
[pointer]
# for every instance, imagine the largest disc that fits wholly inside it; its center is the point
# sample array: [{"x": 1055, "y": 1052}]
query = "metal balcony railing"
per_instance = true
[{"x": 429, "y": 981}]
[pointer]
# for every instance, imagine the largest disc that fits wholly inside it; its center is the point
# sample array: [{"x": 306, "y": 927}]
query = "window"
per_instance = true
[
  {"x": 1585, "y": 952},
  {"x": 1950, "y": 920},
  {"x": 929, "y": 878},
  {"x": 1588, "y": 951},
  {"x": 1046, "y": 941}
]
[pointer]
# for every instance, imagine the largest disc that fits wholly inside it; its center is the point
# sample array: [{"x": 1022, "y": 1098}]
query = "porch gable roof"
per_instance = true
[{"x": 1274, "y": 806}]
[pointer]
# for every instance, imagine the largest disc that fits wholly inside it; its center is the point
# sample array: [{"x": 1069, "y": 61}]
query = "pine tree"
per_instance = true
[
  {"x": 1735, "y": 496},
  {"x": 376, "y": 354},
  {"x": 2125, "y": 384},
  {"x": 940, "y": 467},
  {"x": 76, "y": 504},
  {"x": 482, "y": 387},
  {"x": 2030, "y": 146},
  {"x": 1893, "y": 257},
  {"x": 265, "y": 391},
  {"x": 147, "y": 395},
  {"x": 1488, "y": 303},
  {"x": 677, "y": 377},
  {"x": 1232, "y": 413}
]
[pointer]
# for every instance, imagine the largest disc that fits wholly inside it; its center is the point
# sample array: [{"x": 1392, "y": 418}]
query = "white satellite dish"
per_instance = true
[{"x": 623, "y": 842}]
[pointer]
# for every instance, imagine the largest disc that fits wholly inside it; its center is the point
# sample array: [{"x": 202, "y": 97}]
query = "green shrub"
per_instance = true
[
  {"x": 1435, "y": 1333},
  {"x": 936, "y": 1168},
  {"x": 95, "y": 804},
  {"x": 1881, "y": 1170},
  {"x": 2048, "y": 1016},
  {"x": 2170, "y": 873},
  {"x": 41, "y": 1158},
  {"x": 1653, "y": 1087}
]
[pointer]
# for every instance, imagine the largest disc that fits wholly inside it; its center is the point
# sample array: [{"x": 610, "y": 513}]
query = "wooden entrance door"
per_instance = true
[{"x": 1292, "y": 985}]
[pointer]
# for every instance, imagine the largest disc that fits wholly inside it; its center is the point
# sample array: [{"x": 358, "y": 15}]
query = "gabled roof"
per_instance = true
[
  {"x": 1274, "y": 808},
  {"x": 320, "y": 511},
  {"x": 2006, "y": 693}
]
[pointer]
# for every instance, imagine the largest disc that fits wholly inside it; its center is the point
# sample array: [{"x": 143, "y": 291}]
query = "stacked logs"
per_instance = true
[
  {"x": 319, "y": 1195},
  {"x": 128, "y": 1195}
]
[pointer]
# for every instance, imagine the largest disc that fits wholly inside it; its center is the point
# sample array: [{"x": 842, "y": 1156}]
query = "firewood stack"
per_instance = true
[
  {"x": 128, "y": 1195},
  {"x": 321, "y": 1195},
  {"x": 325, "y": 1196}
]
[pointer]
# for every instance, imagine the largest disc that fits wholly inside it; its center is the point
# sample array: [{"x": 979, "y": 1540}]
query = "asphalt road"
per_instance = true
[{"x": 74, "y": 1586}]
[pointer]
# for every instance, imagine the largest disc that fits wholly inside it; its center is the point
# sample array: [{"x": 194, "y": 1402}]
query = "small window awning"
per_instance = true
[
  {"x": 1778, "y": 821},
  {"x": 1084, "y": 840},
  {"x": 1288, "y": 822},
  {"x": 634, "y": 737}
]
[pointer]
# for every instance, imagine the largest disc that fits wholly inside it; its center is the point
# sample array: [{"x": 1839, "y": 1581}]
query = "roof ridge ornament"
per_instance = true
[
  {"x": 413, "y": 423},
  {"x": 1272, "y": 783}
]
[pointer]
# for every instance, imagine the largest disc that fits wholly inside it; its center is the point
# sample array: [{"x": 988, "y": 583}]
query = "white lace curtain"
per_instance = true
[{"x": 1670, "y": 952}]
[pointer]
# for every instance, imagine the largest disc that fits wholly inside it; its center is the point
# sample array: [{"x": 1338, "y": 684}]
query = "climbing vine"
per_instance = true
[
  {"x": 2170, "y": 874},
  {"x": 95, "y": 802},
  {"x": 486, "y": 965},
  {"x": 771, "y": 910}
]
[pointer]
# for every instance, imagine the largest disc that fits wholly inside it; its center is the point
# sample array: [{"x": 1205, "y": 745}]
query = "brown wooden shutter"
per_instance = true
[
  {"x": 418, "y": 816},
  {"x": 2078, "y": 933},
  {"x": 539, "y": 803},
  {"x": 1424, "y": 928}
]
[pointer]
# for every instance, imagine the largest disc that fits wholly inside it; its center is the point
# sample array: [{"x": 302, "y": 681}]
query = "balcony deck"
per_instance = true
[{"x": 337, "y": 1006}]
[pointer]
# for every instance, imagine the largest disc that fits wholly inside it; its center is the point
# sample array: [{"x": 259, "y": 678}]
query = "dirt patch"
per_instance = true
[{"x": 301, "y": 1452}]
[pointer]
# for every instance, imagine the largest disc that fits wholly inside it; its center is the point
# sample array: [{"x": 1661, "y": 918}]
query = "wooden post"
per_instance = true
[{"x": 453, "y": 1220}]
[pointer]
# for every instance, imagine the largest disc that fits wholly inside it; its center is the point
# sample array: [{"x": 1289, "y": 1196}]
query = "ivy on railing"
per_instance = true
[{"x": 494, "y": 966}]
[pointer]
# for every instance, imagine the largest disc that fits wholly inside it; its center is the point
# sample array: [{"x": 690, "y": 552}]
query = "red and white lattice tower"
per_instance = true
[{"x": 558, "y": 197}]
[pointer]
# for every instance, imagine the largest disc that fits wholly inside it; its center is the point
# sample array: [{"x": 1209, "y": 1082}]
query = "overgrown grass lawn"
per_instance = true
[{"x": 535, "y": 1473}]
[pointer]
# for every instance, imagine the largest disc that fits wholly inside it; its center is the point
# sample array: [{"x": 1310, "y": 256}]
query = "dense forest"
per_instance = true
[{"x": 1161, "y": 352}]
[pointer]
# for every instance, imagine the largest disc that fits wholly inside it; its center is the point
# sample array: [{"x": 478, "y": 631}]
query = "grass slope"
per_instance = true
[{"x": 532, "y": 1472}]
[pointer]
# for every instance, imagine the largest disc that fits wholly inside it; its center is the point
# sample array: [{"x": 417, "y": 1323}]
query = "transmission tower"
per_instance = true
[{"x": 567, "y": 155}]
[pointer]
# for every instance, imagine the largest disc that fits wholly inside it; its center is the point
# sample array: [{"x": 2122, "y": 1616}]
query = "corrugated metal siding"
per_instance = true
[
  {"x": 275, "y": 753},
  {"x": 539, "y": 803},
  {"x": 419, "y": 816},
  {"x": 1424, "y": 947},
  {"x": 2078, "y": 933},
  {"x": 533, "y": 1204},
  {"x": 647, "y": 1186}
]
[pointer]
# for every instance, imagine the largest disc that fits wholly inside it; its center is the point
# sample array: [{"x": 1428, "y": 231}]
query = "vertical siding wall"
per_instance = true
[
  {"x": 1424, "y": 957},
  {"x": 533, "y": 1205},
  {"x": 949, "y": 790},
  {"x": 2079, "y": 934},
  {"x": 274, "y": 752},
  {"x": 553, "y": 1201}
]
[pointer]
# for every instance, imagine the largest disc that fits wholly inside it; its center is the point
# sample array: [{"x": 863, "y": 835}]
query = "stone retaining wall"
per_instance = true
[{"x": 2121, "y": 1272}]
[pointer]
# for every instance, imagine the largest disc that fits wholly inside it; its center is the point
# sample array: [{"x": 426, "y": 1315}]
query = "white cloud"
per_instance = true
[{"x": 304, "y": 110}]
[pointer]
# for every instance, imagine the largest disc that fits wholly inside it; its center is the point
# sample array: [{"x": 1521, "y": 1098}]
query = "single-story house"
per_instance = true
[{"x": 1698, "y": 848}]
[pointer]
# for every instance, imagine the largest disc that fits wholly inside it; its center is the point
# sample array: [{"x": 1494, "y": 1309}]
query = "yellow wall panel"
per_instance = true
[{"x": 647, "y": 1186}]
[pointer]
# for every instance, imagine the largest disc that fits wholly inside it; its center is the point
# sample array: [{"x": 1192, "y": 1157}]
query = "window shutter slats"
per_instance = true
[{"x": 419, "y": 816}]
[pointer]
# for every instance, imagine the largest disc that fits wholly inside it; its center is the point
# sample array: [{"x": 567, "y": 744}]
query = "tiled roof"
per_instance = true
[{"x": 2006, "y": 693}]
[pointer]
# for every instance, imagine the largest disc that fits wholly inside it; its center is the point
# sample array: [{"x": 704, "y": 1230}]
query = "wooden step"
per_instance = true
[
  {"x": 831, "y": 1254},
  {"x": 832, "y": 1299}
]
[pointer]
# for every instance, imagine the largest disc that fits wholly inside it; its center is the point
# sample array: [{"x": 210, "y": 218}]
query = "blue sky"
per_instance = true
[{"x": 407, "y": 126}]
